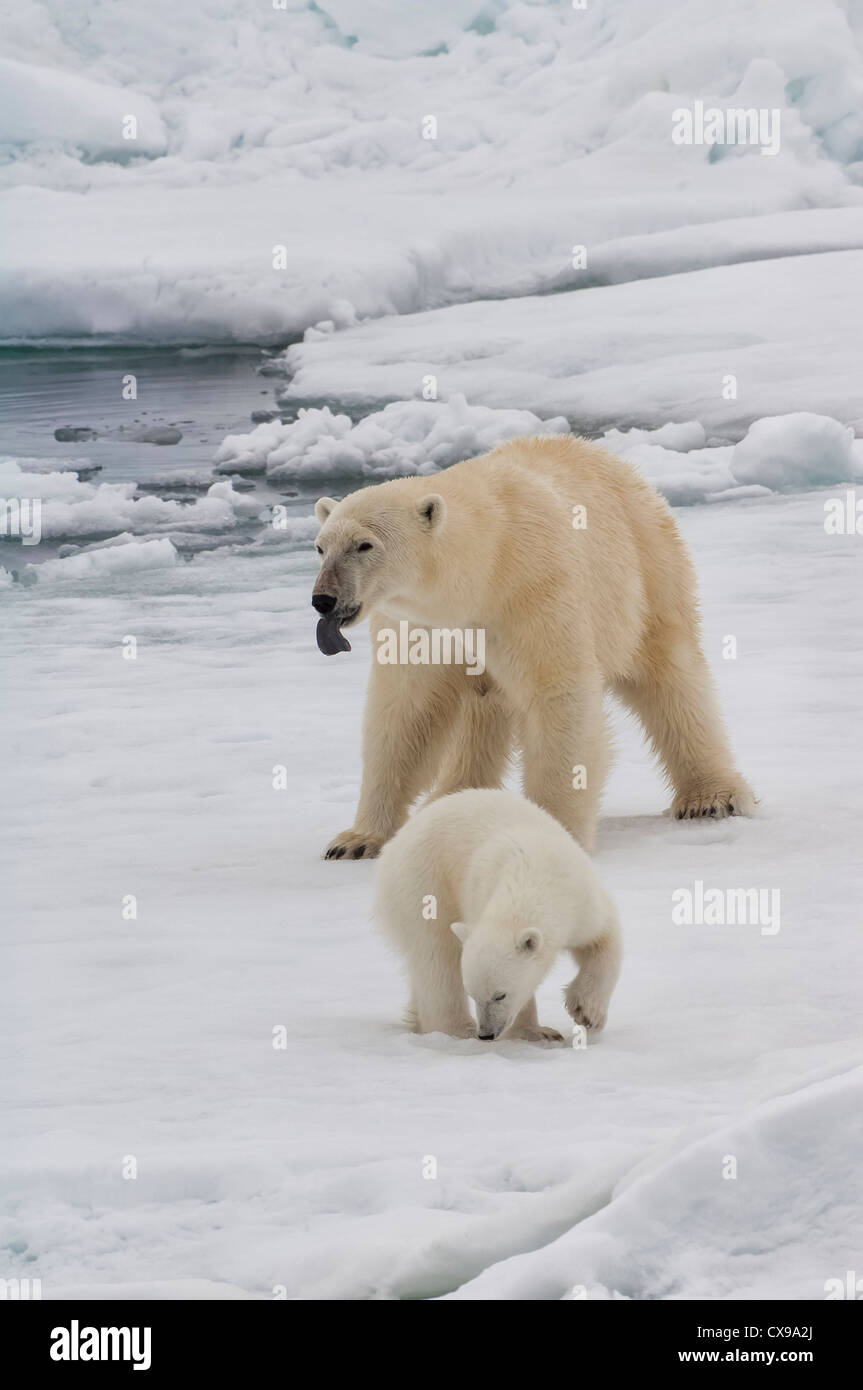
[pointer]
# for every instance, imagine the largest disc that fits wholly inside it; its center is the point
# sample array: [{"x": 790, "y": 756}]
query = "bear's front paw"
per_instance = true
[
  {"x": 715, "y": 802},
  {"x": 351, "y": 844},
  {"x": 588, "y": 1012}
]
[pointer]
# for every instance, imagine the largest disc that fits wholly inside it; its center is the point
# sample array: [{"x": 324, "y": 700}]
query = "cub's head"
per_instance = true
[
  {"x": 372, "y": 546},
  {"x": 502, "y": 966}
]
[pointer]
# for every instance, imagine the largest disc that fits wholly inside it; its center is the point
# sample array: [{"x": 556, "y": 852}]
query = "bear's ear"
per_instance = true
[
  {"x": 432, "y": 509},
  {"x": 529, "y": 941},
  {"x": 323, "y": 507},
  {"x": 460, "y": 930}
]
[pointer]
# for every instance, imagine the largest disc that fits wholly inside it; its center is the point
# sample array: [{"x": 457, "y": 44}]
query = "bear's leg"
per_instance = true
[
  {"x": 566, "y": 756},
  {"x": 527, "y": 1028},
  {"x": 479, "y": 743},
  {"x": 587, "y": 996},
  {"x": 675, "y": 699},
  {"x": 407, "y": 718}
]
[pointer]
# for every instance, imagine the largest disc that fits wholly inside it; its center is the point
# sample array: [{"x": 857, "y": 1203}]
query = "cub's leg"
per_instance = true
[
  {"x": 479, "y": 741},
  {"x": 675, "y": 698},
  {"x": 408, "y": 714},
  {"x": 587, "y": 996},
  {"x": 566, "y": 756},
  {"x": 438, "y": 1002},
  {"x": 431, "y": 953},
  {"x": 527, "y": 1028}
]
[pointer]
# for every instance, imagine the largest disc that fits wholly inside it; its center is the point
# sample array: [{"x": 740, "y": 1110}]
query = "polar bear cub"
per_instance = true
[{"x": 479, "y": 891}]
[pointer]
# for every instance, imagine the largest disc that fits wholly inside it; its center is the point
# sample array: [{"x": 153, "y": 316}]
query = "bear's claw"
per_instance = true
[
  {"x": 547, "y": 1037},
  {"x": 717, "y": 803},
  {"x": 589, "y": 1014},
  {"x": 351, "y": 845},
  {"x": 550, "y": 1036}
]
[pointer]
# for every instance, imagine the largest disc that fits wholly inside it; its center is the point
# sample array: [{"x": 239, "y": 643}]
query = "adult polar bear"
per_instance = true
[{"x": 573, "y": 566}]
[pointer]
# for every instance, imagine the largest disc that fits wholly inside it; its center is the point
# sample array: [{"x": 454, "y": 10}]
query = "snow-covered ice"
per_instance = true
[
  {"x": 177, "y": 752},
  {"x": 641, "y": 1244},
  {"x": 81, "y": 509},
  {"x": 407, "y": 437},
  {"x": 303, "y": 1167},
  {"x": 643, "y": 352},
  {"x": 403, "y": 438},
  {"x": 778, "y": 453},
  {"x": 122, "y": 556},
  {"x": 308, "y": 128}
]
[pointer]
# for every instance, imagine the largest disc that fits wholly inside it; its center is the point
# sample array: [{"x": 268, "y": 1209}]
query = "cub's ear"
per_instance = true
[
  {"x": 460, "y": 930},
  {"x": 323, "y": 507},
  {"x": 529, "y": 941},
  {"x": 432, "y": 509}
]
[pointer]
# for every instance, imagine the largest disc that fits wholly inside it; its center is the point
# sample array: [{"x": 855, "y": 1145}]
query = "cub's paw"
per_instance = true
[
  {"x": 452, "y": 1027},
  {"x": 353, "y": 845},
  {"x": 461, "y": 1030},
  {"x": 715, "y": 802},
  {"x": 584, "y": 1010}
]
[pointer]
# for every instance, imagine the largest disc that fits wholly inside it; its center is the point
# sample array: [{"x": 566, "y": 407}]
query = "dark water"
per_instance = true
[{"x": 204, "y": 393}]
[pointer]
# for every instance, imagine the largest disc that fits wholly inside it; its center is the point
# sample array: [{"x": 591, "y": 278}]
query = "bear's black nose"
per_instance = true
[
  {"x": 486, "y": 1037},
  {"x": 324, "y": 603}
]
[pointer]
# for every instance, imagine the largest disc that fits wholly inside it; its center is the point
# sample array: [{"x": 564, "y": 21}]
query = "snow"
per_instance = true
[
  {"x": 797, "y": 449},
  {"x": 552, "y": 260},
  {"x": 259, "y": 128},
  {"x": 102, "y": 562},
  {"x": 10, "y": 477},
  {"x": 722, "y": 345},
  {"x": 71, "y": 508},
  {"x": 303, "y": 1167},
  {"x": 44, "y": 107},
  {"x": 778, "y": 453},
  {"x": 641, "y": 1244},
  {"x": 406, "y": 437}
]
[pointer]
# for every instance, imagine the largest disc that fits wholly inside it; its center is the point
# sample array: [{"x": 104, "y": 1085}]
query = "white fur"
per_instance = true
[
  {"x": 568, "y": 614},
  {"x": 510, "y": 889}
]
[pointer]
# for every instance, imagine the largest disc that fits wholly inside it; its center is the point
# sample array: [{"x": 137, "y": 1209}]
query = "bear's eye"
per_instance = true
[
  {"x": 319, "y": 550},
  {"x": 496, "y": 998},
  {"x": 364, "y": 545}
]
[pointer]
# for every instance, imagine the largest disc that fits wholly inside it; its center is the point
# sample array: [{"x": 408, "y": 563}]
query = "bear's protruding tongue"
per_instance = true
[{"x": 330, "y": 637}]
